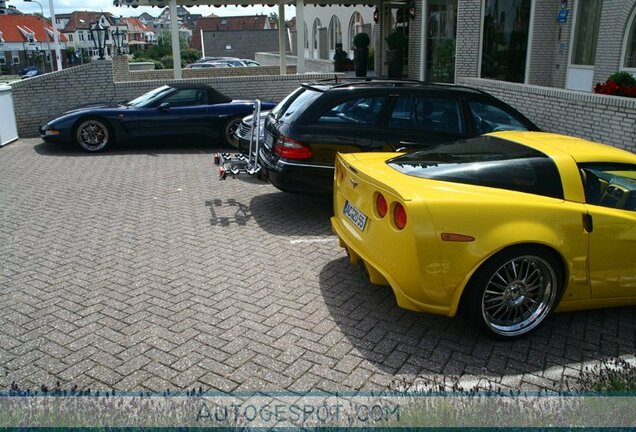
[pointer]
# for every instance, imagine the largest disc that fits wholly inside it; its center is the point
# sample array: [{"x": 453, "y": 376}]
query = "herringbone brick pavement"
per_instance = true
[{"x": 137, "y": 269}]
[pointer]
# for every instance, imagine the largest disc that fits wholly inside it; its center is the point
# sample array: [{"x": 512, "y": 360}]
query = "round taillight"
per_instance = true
[
  {"x": 381, "y": 206},
  {"x": 399, "y": 216}
]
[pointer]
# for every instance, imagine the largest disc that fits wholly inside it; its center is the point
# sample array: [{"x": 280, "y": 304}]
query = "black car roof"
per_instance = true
[
  {"x": 335, "y": 83},
  {"x": 214, "y": 96}
]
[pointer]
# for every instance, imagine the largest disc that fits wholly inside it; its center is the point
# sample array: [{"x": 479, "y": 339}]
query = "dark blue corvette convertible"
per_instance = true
[{"x": 170, "y": 110}]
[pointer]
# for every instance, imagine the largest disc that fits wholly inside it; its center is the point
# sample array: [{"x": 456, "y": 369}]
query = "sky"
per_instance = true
[{"x": 67, "y": 6}]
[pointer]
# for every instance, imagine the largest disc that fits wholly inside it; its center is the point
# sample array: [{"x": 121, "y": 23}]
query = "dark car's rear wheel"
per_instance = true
[
  {"x": 515, "y": 291},
  {"x": 93, "y": 134},
  {"x": 229, "y": 128}
]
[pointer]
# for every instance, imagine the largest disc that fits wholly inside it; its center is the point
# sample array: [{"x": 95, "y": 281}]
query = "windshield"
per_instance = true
[
  {"x": 150, "y": 97},
  {"x": 485, "y": 161}
]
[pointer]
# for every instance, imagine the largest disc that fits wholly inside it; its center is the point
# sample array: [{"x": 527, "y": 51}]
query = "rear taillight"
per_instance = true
[
  {"x": 381, "y": 205},
  {"x": 399, "y": 216},
  {"x": 288, "y": 148}
]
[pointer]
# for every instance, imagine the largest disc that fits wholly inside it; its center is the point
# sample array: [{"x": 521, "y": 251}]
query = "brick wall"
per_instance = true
[
  {"x": 122, "y": 72},
  {"x": 607, "y": 119},
  {"x": 40, "y": 98},
  {"x": 613, "y": 25},
  {"x": 544, "y": 37},
  {"x": 468, "y": 38}
]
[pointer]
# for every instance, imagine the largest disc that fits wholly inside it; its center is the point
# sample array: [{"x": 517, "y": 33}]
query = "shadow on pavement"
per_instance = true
[
  {"x": 288, "y": 214},
  {"x": 403, "y": 342},
  {"x": 156, "y": 146}
]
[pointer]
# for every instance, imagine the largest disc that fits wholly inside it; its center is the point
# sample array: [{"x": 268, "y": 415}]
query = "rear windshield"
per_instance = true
[
  {"x": 294, "y": 104},
  {"x": 485, "y": 161}
]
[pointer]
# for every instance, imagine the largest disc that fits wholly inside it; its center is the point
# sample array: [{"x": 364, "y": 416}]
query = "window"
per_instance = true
[
  {"x": 629, "y": 60},
  {"x": 505, "y": 39},
  {"x": 441, "y": 35},
  {"x": 485, "y": 161},
  {"x": 335, "y": 32},
  {"x": 183, "y": 98},
  {"x": 355, "y": 26},
  {"x": 426, "y": 114},
  {"x": 358, "y": 111},
  {"x": 489, "y": 118},
  {"x": 609, "y": 185},
  {"x": 588, "y": 18},
  {"x": 15, "y": 58},
  {"x": 70, "y": 37},
  {"x": 316, "y": 33}
]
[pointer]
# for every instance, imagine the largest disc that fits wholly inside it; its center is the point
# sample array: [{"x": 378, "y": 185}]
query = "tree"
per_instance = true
[{"x": 273, "y": 19}]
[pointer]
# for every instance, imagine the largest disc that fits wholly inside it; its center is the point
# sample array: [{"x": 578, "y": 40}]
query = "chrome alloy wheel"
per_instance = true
[
  {"x": 519, "y": 295},
  {"x": 92, "y": 135},
  {"x": 230, "y": 128}
]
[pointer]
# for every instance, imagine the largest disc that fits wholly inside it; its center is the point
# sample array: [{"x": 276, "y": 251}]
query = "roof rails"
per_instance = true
[{"x": 348, "y": 82}]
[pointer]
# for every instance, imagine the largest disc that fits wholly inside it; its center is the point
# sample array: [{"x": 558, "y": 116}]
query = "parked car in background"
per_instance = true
[
  {"x": 210, "y": 65},
  {"x": 310, "y": 126},
  {"x": 29, "y": 71},
  {"x": 250, "y": 63},
  {"x": 506, "y": 227},
  {"x": 171, "y": 110},
  {"x": 242, "y": 134}
]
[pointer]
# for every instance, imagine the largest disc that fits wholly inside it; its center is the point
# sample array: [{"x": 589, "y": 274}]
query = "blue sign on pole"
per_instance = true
[{"x": 563, "y": 16}]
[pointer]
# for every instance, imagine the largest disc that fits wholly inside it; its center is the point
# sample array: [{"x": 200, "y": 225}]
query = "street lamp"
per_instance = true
[
  {"x": 98, "y": 32},
  {"x": 119, "y": 36},
  {"x": 48, "y": 43}
]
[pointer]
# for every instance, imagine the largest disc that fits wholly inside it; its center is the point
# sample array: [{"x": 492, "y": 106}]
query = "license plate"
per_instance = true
[
  {"x": 355, "y": 215},
  {"x": 269, "y": 140}
]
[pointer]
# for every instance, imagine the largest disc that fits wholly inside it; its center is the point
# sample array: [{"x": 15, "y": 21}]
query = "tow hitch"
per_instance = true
[{"x": 238, "y": 163}]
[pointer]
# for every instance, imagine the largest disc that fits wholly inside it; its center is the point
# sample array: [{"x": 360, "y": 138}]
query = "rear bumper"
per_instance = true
[
  {"x": 378, "y": 274},
  {"x": 297, "y": 177}
]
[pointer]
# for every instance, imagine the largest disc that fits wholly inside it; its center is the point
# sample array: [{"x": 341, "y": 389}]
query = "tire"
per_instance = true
[
  {"x": 514, "y": 291},
  {"x": 229, "y": 128},
  {"x": 93, "y": 134}
]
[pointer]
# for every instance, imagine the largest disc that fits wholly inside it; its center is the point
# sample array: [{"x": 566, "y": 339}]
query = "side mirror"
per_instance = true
[{"x": 164, "y": 106}]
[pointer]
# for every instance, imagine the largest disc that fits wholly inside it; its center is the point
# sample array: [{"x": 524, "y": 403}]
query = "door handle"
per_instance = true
[{"x": 588, "y": 223}]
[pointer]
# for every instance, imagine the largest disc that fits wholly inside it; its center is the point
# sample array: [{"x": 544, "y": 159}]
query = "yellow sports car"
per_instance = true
[{"x": 508, "y": 226}]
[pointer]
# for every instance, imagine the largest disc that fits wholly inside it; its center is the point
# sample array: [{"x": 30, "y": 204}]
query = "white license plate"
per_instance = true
[
  {"x": 355, "y": 215},
  {"x": 269, "y": 140}
]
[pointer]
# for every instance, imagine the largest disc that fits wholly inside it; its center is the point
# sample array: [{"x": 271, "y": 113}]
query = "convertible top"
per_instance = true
[{"x": 214, "y": 96}]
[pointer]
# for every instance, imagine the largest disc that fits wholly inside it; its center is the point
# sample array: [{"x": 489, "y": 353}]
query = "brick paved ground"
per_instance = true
[{"x": 137, "y": 269}]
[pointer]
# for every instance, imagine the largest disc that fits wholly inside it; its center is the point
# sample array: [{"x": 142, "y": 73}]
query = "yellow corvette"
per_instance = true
[{"x": 510, "y": 226}]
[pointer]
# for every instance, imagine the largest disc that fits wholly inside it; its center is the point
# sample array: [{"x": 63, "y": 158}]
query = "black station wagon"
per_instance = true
[{"x": 306, "y": 130}]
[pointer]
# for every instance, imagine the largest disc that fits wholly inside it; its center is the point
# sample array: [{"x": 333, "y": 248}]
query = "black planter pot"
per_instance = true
[
  {"x": 395, "y": 60},
  {"x": 360, "y": 60}
]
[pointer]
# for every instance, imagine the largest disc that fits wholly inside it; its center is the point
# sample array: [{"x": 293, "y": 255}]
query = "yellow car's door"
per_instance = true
[{"x": 612, "y": 255}]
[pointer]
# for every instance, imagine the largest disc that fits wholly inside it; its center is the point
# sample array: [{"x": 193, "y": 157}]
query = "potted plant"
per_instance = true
[
  {"x": 361, "y": 54},
  {"x": 340, "y": 58},
  {"x": 396, "y": 43}
]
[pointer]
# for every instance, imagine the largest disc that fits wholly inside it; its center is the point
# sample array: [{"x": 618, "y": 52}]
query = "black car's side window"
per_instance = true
[
  {"x": 183, "y": 98},
  {"x": 426, "y": 114},
  {"x": 365, "y": 111},
  {"x": 489, "y": 118}
]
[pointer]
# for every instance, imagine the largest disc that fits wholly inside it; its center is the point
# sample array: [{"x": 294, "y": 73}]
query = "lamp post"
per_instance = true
[
  {"x": 48, "y": 43},
  {"x": 119, "y": 36},
  {"x": 98, "y": 32}
]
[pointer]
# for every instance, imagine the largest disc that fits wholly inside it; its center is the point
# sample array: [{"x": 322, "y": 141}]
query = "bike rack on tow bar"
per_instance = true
[{"x": 238, "y": 163}]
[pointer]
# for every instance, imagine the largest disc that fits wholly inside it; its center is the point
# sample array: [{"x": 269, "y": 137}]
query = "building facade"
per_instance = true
[
  {"x": 77, "y": 30},
  {"x": 27, "y": 40}
]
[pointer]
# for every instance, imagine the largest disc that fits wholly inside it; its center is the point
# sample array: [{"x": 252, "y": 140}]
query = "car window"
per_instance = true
[
  {"x": 490, "y": 118},
  {"x": 185, "y": 97},
  {"x": 354, "y": 111},
  {"x": 150, "y": 97},
  {"x": 485, "y": 161},
  {"x": 609, "y": 185},
  {"x": 426, "y": 114},
  {"x": 298, "y": 105}
]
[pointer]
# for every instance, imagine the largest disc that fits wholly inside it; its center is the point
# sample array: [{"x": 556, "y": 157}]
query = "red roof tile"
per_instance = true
[
  {"x": 84, "y": 19},
  {"x": 10, "y": 27}
]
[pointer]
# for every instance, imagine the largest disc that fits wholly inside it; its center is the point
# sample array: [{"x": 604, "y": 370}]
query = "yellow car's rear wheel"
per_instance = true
[{"x": 515, "y": 291}]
